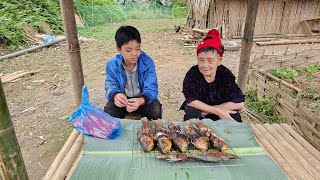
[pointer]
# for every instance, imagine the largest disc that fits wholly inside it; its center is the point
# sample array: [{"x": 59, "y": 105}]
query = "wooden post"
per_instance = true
[
  {"x": 11, "y": 162},
  {"x": 73, "y": 47},
  {"x": 246, "y": 44}
]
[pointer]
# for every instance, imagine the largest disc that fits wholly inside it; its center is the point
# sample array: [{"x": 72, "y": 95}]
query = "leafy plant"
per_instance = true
[
  {"x": 264, "y": 108},
  {"x": 312, "y": 68},
  {"x": 283, "y": 73},
  {"x": 179, "y": 11},
  {"x": 15, "y": 13}
]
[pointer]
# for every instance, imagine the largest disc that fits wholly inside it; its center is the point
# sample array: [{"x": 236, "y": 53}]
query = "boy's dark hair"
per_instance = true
[{"x": 125, "y": 34}]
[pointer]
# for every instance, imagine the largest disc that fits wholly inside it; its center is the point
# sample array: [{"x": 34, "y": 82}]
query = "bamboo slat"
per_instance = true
[
  {"x": 288, "y": 156},
  {"x": 301, "y": 160},
  {"x": 274, "y": 153},
  {"x": 288, "y": 118},
  {"x": 302, "y": 141},
  {"x": 302, "y": 150},
  {"x": 14, "y": 76}
]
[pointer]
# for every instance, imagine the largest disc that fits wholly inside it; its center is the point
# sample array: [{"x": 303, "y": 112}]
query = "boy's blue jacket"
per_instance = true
[{"x": 116, "y": 78}]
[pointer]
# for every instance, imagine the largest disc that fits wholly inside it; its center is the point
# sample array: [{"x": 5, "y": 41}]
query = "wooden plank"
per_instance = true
[
  {"x": 293, "y": 152},
  {"x": 282, "y": 150},
  {"x": 302, "y": 150},
  {"x": 287, "y": 168},
  {"x": 302, "y": 141},
  {"x": 285, "y": 42}
]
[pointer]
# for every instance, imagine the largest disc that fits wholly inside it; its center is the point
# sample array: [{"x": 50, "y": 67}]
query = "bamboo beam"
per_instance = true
[
  {"x": 73, "y": 47},
  {"x": 30, "y": 49},
  {"x": 11, "y": 161},
  {"x": 62, "y": 154},
  {"x": 274, "y": 153},
  {"x": 246, "y": 44},
  {"x": 74, "y": 166},
  {"x": 285, "y": 42},
  {"x": 69, "y": 160},
  {"x": 67, "y": 10}
]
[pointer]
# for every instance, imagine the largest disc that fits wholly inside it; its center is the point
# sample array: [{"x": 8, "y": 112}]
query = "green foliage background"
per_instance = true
[{"x": 13, "y": 13}]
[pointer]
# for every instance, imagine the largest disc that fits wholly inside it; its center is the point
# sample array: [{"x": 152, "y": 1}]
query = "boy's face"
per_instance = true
[
  {"x": 208, "y": 62},
  {"x": 130, "y": 52}
]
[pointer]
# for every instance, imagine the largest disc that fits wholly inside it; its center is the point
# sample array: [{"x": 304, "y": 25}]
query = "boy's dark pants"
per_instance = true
[
  {"x": 152, "y": 110},
  {"x": 191, "y": 112}
]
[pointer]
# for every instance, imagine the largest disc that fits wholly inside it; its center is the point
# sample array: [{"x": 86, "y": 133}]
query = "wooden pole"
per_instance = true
[
  {"x": 246, "y": 44},
  {"x": 73, "y": 47},
  {"x": 11, "y": 161}
]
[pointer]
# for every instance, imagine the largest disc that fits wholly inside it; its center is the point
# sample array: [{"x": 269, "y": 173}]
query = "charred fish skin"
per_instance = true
[
  {"x": 198, "y": 140},
  {"x": 212, "y": 156},
  {"x": 145, "y": 137},
  {"x": 163, "y": 139},
  {"x": 172, "y": 157},
  {"x": 179, "y": 139},
  {"x": 214, "y": 138}
]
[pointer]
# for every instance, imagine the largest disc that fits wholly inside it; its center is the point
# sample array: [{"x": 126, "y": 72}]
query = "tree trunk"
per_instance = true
[
  {"x": 246, "y": 44},
  {"x": 11, "y": 162},
  {"x": 198, "y": 16}
]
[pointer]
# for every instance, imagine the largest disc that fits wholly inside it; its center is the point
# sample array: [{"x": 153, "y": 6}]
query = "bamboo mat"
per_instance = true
[
  {"x": 294, "y": 154},
  {"x": 122, "y": 159}
]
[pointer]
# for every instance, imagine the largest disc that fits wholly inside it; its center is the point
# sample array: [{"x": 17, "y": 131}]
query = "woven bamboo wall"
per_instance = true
[
  {"x": 292, "y": 60},
  {"x": 274, "y": 16},
  {"x": 288, "y": 107}
]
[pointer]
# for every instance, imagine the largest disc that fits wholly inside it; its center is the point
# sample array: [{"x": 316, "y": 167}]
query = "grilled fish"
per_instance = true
[
  {"x": 212, "y": 156},
  {"x": 198, "y": 140},
  {"x": 145, "y": 137},
  {"x": 163, "y": 139},
  {"x": 179, "y": 139},
  {"x": 214, "y": 138},
  {"x": 172, "y": 157}
]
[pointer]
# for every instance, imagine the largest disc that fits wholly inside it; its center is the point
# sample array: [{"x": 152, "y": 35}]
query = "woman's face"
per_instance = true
[
  {"x": 130, "y": 52},
  {"x": 208, "y": 62}
]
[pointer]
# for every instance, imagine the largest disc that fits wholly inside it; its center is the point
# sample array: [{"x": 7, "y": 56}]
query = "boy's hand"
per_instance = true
[
  {"x": 120, "y": 100},
  {"x": 134, "y": 104}
]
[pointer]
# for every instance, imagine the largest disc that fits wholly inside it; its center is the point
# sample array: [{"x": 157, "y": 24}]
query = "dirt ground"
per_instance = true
[{"x": 40, "y": 104}]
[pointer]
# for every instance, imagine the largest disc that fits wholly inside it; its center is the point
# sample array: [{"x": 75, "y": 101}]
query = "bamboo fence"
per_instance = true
[
  {"x": 288, "y": 106},
  {"x": 273, "y": 17}
]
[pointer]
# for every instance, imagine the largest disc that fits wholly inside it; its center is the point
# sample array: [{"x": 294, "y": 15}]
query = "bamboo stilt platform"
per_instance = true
[{"x": 298, "y": 158}]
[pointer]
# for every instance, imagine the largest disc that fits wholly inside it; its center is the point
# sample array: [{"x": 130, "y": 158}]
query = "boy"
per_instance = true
[
  {"x": 209, "y": 87},
  {"x": 131, "y": 82}
]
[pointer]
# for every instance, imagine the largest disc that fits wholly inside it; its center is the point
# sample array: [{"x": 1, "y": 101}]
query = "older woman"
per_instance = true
[{"x": 209, "y": 87}]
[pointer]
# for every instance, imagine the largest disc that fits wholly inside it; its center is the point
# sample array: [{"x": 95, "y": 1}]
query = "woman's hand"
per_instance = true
[
  {"x": 120, "y": 100},
  {"x": 224, "y": 113},
  {"x": 134, "y": 104}
]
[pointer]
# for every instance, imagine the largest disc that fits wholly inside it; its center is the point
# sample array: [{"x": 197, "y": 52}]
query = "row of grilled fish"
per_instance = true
[{"x": 200, "y": 137}]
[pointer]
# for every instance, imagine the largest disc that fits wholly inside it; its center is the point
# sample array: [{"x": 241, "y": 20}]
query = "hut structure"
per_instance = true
[{"x": 273, "y": 17}]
